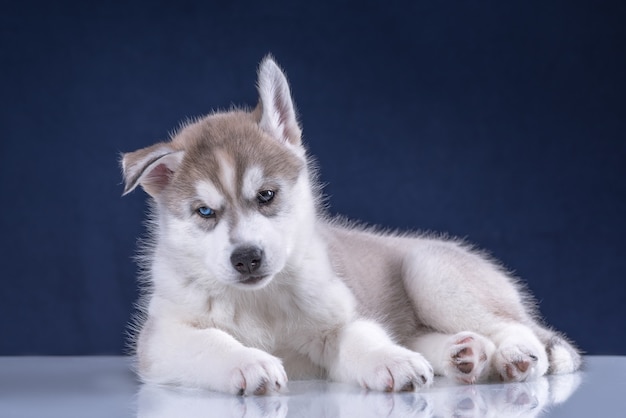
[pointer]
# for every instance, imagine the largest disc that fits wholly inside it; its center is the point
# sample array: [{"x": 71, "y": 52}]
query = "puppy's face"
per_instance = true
[
  {"x": 235, "y": 202},
  {"x": 231, "y": 189}
]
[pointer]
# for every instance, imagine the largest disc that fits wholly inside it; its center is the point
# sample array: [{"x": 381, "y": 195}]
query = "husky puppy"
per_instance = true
[{"x": 248, "y": 281}]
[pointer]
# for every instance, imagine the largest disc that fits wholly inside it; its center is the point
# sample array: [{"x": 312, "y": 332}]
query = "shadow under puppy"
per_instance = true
[{"x": 249, "y": 281}]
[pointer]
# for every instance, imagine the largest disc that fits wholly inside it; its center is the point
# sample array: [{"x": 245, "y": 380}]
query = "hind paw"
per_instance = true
[
  {"x": 517, "y": 363},
  {"x": 469, "y": 357}
]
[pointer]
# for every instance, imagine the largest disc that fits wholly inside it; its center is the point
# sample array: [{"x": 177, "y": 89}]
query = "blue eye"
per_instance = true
[{"x": 205, "y": 212}]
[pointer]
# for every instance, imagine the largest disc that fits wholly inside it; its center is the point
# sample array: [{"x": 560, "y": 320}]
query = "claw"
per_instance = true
[{"x": 408, "y": 387}]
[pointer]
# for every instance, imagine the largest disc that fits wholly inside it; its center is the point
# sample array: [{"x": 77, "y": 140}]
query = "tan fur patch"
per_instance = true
[{"x": 220, "y": 149}]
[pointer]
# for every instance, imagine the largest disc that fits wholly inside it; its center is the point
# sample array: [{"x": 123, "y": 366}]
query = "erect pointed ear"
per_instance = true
[
  {"x": 150, "y": 167},
  {"x": 277, "y": 112}
]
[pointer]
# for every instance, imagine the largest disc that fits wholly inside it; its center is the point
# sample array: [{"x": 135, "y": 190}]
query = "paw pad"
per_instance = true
[
  {"x": 468, "y": 357},
  {"x": 516, "y": 364},
  {"x": 465, "y": 367}
]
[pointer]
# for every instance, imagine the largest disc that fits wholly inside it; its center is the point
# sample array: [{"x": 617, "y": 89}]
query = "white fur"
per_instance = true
[
  {"x": 378, "y": 310},
  {"x": 209, "y": 195},
  {"x": 252, "y": 181}
]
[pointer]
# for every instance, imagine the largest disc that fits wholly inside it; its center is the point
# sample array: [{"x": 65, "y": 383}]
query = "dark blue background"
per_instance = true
[{"x": 502, "y": 122}]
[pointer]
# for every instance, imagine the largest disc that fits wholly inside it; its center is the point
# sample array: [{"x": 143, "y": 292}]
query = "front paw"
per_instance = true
[
  {"x": 256, "y": 372},
  {"x": 394, "y": 369}
]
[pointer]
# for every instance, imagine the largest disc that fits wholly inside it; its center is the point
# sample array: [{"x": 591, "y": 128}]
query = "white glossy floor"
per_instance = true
[{"x": 106, "y": 387}]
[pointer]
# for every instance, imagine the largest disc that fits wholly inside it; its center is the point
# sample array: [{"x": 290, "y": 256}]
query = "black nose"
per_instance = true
[{"x": 247, "y": 260}]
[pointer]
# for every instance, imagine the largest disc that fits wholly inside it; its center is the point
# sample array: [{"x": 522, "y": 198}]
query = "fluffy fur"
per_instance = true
[{"x": 249, "y": 281}]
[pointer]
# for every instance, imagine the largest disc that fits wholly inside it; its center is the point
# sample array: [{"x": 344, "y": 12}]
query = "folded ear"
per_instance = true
[
  {"x": 277, "y": 113},
  {"x": 150, "y": 167}
]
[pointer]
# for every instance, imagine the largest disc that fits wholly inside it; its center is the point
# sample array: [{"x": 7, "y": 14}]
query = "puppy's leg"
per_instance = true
[
  {"x": 361, "y": 352},
  {"x": 464, "y": 357},
  {"x": 172, "y": 352},
  {"x": 455, "y": 290}
]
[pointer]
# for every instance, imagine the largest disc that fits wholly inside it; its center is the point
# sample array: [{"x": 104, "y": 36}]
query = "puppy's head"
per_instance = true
[{"x": 231, "y": 190}]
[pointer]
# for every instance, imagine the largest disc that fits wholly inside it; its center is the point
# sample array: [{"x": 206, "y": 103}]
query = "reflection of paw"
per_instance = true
[
  {"x": 257, "y": 373},
  {"x": 563, "y": 386},
  {"x": 521, "y": 399},
  {"x": 469, "y": 357},
  {"x": 173, "y": 402},
  {"x": 465, "y": 401},
  {"x": 371, "y": 404},
  {"x": 519, "y": 362},
  {"x": 395, "y": 369},
  {"x": 260, "y": 406}
]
